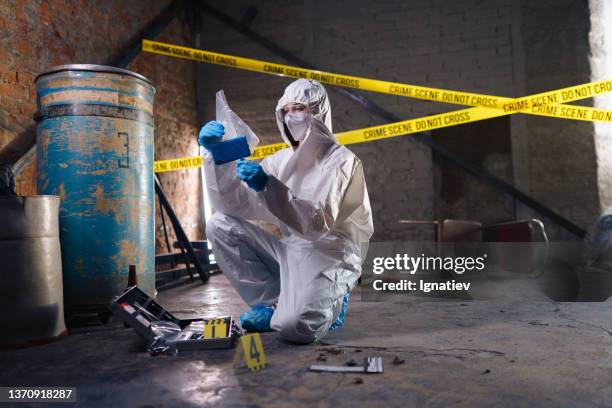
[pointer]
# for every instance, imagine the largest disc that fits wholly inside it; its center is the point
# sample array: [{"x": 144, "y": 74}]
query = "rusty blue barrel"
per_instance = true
[{"x": 95, "y": 150}]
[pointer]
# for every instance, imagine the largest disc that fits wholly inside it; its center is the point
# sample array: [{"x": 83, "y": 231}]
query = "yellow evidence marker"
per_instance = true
[
  {"x": 215, "y": 329},
  {"x": 251, "y": 348}
]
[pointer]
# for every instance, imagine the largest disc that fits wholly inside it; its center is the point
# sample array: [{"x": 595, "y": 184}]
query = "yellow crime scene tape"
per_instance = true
[
  {"x": 542, "y": 104},
  {"x": 368, "y": 134},
  {"x": 161, "y": 166},
  {"x": 487, "y": 106},
  {"x": 358, "y": 136}
]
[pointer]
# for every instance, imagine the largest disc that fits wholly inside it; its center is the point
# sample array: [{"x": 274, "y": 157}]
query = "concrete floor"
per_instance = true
[{"x": 456, "y": 353}]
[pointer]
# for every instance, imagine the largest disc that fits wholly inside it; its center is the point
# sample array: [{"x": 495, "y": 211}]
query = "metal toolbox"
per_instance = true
[{"x": 138, "y": 310}]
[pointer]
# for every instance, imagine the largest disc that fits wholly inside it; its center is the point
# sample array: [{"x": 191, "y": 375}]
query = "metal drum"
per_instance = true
[
  {"x": 95, "y": 150},
  {"x": 30, "y": 271}
]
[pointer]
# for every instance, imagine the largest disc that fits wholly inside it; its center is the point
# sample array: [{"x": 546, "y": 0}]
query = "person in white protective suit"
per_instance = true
[{"x": 316, "y": 192}]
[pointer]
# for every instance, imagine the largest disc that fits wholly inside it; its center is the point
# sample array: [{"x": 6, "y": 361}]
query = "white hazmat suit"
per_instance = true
[{"x": 317, "y": 194}]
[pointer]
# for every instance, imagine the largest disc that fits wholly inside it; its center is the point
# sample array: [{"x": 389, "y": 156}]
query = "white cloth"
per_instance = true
[{"x": 317, "y": 194}]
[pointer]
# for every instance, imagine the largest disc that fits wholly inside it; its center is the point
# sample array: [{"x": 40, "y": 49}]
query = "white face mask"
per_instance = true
[{"x": 298, "y": 124}]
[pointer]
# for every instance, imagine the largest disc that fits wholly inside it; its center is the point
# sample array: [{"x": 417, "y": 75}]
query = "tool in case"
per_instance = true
[{"x": 143, "y": 314}]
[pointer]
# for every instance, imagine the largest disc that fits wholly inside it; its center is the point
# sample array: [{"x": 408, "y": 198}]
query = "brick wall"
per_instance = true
[{"x": 35, "y": 35}]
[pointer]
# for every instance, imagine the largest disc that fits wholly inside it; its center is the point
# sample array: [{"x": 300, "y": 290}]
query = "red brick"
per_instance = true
[
  {"x": 25, "y": 184},
  {"x": 45, "y": 13},
  {"x": 58, "y": 60},
  {"x": 19, "y": 10},
  {"x": 60, "y": 6},
  {"x": 24, "y": 77},
  {"x": 10, "y": 104},
  {"x": 27, "y": 109},
  {"x": 23, "y": 46},
  {"x": 32, "y": 93},
  {"x": 13, "y": 90},
  {"x": 7, "y": 75},
  {"x": 5, "y": 58}
]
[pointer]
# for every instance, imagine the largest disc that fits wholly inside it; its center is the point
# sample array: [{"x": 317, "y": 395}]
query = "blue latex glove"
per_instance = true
[
  {"x": 257, "y": 319},
  {"x": 252, "y": 174},
  {"x": 340, "y": 319},
  {"x": 211, "y": 134}
]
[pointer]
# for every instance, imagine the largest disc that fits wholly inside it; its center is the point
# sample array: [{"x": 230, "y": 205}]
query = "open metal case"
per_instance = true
[{"x": 138, "y": 310}]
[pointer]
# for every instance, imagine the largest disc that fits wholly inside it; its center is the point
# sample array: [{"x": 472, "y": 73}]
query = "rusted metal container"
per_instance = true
[{"x": 95, "y": 150}]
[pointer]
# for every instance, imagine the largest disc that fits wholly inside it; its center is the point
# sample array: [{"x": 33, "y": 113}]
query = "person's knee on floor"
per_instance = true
[{"x": 305, "y": 327}]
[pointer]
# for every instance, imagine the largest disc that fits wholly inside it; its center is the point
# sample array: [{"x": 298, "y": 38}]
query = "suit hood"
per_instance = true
[{"x": 312, "y": 94}]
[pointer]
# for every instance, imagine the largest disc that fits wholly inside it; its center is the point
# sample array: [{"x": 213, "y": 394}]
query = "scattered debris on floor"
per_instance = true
[
  {"x": 333, "y": 350},
  {"x": 371, "y": 365}
]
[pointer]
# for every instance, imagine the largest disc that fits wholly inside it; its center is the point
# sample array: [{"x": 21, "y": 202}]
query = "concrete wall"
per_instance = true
[
  {"x": 559, "y": 159},
  {"x": 600, "y": 40},
  {"x": 37, "y": 35}
]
